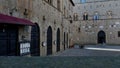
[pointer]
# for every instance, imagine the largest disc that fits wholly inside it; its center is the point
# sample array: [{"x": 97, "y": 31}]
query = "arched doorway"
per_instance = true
[
  {"x": 101, "y": 37},
  {"x": 49, "y": 41},
  {"x": 35, "y": 40},
  {"x": 67, "y": 41},
  {"x": 58, "y": 40},
  {"x": 64, "y": 41}
]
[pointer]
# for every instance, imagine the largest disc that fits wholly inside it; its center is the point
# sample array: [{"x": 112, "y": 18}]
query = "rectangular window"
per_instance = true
[
  {"x": 79, "y": 30},
  {"x": 96, "y": 17},
  {"x": 75, "y": 17},
  {"x": 118, "y": 33},
  {"x": 85, "y": 17},
  {"x": 83, "y": 1},
  {"x": 58, "y": 5}
]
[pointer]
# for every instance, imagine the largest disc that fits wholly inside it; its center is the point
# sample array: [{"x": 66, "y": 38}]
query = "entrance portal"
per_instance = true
[
  {"x": 67, "y": 41},
  {"x": 58, "y": 40},
  {"x": 49, "y": 41},
  {"x": 35, "y": 41},
  {"x": 64, "y": 41},
  {"x": 9, "y": 40},
  {"x": 101, "y": 37}
]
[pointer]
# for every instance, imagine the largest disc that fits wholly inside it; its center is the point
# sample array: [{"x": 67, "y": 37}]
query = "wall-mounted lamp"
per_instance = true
[
  {"x": 44, "y": 44},
  {"x": 54, "y": 42},
  {"x": 25, "y": 12}
]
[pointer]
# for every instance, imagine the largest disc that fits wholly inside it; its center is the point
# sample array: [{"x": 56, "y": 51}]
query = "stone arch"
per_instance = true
[
  {"x": 67, "y": 41},
  {"x": 35, "y": 40},
  {"x": 58, "y": 40},
  {"x": 49, "y": 40},
  {"x": 64, "y": 41},
  {"x": 101, "y": 37}
]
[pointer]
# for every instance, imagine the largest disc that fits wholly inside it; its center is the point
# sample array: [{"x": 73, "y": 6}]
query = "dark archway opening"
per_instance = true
[
  {"x": 67, "y": 41},
  {"x": 35, "y": 40},
  {"x": 101, "y": 37},
  {"x": 64, "y": 41},
  {"x": 49, "y": 41},
  {"x": 58, "y": 40}
]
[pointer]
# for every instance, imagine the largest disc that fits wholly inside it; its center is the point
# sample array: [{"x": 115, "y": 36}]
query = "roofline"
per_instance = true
[{"x": 96, "y": 2}]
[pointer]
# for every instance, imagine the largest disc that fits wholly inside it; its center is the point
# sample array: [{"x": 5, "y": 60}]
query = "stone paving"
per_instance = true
[
  {"x": 91, "y": 59},
  {"x": 76, "y": 51}
]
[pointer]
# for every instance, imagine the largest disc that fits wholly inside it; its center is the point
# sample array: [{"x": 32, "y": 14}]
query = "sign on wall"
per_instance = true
[
  {"x": 101, "y": 27},
  {"x": 24, "y": 49}
]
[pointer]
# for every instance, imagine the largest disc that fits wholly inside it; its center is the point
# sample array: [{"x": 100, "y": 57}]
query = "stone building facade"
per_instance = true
[
  {"x": 54, "y": 14},
  {"x": 52, "y": 20},
  {"x": 97, "y": 22}
]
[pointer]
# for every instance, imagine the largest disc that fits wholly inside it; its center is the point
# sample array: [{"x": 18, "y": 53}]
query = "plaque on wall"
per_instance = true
[{"x": 101, "y": 27}]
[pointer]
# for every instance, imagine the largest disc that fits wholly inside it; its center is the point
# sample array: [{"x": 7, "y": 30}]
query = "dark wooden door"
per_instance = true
[
  {"x": 3, "y": 42},
  {"x": 49, "y": 41},
  {"x": 58, "y": 40},
  {"x": 8, "y": 40},
  {"x": 64, "y": 41},
  {"x": 67, "y": 41},
  {"x": 101, "y": 37},
  {"x": 35, "y": 41}
]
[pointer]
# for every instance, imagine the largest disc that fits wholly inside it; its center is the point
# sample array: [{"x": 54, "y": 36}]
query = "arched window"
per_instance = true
[
  {"x": 118, "y": 33},
  {"x": 96, "y": 16},
  {"x": 58, "y": 5},
  {"x": 64, "y": 10},
  {"x": 51, "y": 1},
  {"x": 82, "y": 1},
  {"x": 79, "y": 29},
  {"x": 75, "y": 16},
  {"x": 85, "y": 16}
]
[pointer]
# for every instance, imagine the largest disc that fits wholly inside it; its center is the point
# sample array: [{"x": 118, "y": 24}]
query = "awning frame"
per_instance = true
[{"x": 14, "y": 20}]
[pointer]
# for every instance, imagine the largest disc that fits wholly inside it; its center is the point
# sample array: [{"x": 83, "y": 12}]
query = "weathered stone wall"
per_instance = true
[
  {"x": 101, "y": 7},
  {"x": 90, "y": 28},
  {"x": 16, "y": 9},
  {"x": 45, "y": 15},
  {"x": 54, "y": 18},
  {"x": 89, "y": 31}
]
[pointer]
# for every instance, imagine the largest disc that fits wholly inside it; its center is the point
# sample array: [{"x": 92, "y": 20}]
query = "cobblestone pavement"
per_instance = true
[{"x": 76, "y": 51}]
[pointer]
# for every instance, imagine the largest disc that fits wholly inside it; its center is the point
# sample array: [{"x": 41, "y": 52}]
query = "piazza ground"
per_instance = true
[
  {"x": 71, "y": 58},
  {"x": 92, "y": 50},
  {"x": 59, "y": 62}
]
